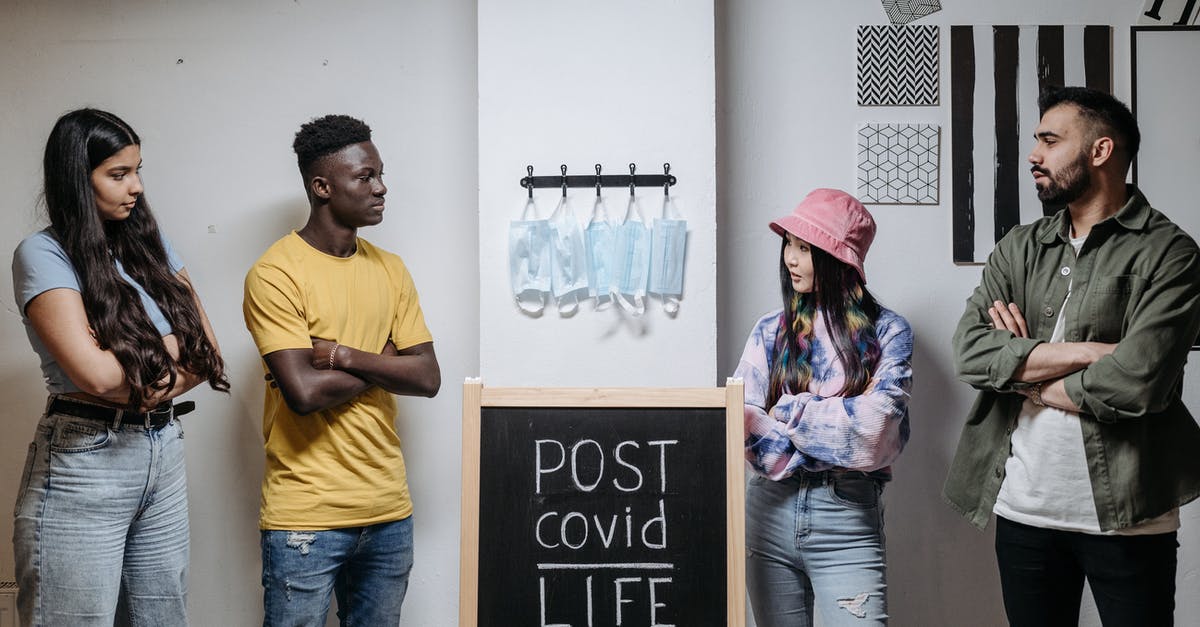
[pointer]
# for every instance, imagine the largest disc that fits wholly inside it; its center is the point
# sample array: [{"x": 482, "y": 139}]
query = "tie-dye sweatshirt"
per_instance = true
[{"x": 816, "y": 430}]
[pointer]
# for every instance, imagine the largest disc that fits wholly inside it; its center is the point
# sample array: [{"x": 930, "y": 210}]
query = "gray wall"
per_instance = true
[{"x": 217, "y": 88}]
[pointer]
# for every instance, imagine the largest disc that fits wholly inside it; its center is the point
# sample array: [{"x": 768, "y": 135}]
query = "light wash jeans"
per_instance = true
[
  {"x": 367, "y": 567},
  {"x": 101, "y": 514},
  {"x": 816, "y": 539}
]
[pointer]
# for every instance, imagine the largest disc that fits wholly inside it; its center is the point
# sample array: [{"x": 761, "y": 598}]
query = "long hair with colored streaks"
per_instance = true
[{"x": 849, "y": 312}]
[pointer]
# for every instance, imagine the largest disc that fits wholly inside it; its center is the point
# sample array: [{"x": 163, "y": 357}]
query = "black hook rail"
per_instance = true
[{"x": 563, "y": 180}]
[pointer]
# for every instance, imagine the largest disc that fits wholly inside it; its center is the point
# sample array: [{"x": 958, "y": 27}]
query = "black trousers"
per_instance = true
[{"x": 1042, "y": 572}]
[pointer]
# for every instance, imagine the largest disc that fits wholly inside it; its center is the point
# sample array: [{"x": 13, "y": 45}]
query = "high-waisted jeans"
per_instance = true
[
  {"x": 816, "y": 540},
  {"x": 101, "y": 516}
]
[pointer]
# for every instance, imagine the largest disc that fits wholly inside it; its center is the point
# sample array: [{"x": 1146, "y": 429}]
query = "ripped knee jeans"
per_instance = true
[
  {"x": 366, "y": 568},
  {"x": 814, "y": 542}
]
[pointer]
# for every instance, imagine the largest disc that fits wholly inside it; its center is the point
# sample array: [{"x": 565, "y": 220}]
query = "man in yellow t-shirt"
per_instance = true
[{"x": 340, "y": 330}]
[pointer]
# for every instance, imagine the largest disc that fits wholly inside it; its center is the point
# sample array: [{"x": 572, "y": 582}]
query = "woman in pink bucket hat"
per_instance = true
[{"x": 827, "y": 384}]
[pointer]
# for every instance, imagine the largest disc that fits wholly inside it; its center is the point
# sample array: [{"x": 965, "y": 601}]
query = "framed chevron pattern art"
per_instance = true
[
  {"x": 905, "y": 11},
  {"x": 897, "y": 65},
  {"x": 898, "y": 164},
  {"x": 996, "y": 73}
]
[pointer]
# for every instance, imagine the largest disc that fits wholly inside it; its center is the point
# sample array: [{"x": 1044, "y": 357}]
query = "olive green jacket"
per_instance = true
[{"x": 1136, "y": 282}]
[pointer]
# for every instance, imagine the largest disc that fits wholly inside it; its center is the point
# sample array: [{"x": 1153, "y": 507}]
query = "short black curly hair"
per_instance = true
[{"x": 326, "y": 135}]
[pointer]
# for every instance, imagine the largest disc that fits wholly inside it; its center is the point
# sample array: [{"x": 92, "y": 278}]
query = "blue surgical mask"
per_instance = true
[
  {"x": 667, "y": 253},
  {"x": 568, "y": 258},
  {"x": 529, "y": 260},
  {"x": 633, "y": 260},
  {"x": 600, "y": 242}
]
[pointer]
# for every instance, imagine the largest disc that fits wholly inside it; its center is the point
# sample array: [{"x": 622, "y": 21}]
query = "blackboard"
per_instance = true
[{"x": 598, "y": 507}]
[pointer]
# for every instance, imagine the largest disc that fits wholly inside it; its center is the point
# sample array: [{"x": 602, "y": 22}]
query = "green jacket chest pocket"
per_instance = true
[{"x": 1113, "y": 300}]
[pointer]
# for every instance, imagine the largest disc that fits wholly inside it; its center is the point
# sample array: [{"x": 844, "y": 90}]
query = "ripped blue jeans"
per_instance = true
[
  {"x": 366, "y": 567},
  {"x": 815, "y": 541}
]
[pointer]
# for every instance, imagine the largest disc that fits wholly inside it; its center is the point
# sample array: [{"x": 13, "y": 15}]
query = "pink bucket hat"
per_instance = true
[{"x": 833, "y": 221}]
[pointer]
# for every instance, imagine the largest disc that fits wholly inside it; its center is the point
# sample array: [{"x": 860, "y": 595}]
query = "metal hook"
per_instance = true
[
  {"x": 597, "y": 180},
  {"x": 563, "y": 167},
  {"x": 529, "y": 181},
  {"x": 667, "y": 183},
  {"x": 632, "y": 170}
]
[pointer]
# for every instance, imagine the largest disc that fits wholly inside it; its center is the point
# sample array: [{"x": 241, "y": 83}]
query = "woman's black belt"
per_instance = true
[{"x": 154, "y": 419}]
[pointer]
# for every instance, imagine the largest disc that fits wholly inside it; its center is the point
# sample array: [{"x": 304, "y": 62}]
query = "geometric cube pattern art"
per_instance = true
[
  {"x": 905, "y": 11},
  {"x": 898, "y": 164},
  {"x": 897, "y": 65}
]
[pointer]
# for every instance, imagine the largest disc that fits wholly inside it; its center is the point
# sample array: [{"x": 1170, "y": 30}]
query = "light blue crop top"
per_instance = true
[{"x": 40, "y": 264}]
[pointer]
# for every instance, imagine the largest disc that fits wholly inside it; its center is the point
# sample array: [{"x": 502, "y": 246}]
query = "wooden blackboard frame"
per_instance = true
[{"x": 731, "y": 398}]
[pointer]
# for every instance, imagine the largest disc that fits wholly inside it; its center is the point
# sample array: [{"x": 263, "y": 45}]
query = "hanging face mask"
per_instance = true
[
  {"x": 600, "y": 242},
  {"x": 529, "y": 259},
  {"x": 568, "y": 259},
  {"x": 669, "y": 245},
  {"x": 632, "y": 267}
]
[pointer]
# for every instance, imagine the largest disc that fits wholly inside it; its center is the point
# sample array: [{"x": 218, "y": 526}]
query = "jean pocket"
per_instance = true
[
  {"x": 78, "y": 437},
  {"x": 854, "y": 490},
  {"x": 26, "y": 474}
]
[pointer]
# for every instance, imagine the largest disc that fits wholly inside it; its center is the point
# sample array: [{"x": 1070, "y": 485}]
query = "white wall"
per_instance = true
[
  {"x": 217, "y": 90},
  {"x": 786, "y": 124},
  {"x": 217, "y": 130},
  {"x": 581, "y": 83}
]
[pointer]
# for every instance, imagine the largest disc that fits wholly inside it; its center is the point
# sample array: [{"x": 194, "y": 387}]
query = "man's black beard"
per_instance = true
[{"x": 1077, "y": 179}]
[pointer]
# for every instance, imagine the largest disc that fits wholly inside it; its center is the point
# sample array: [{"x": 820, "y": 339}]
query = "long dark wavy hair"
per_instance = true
[
  {"x": 79, "y": 142},
  {"x": 849, "y": 312}
]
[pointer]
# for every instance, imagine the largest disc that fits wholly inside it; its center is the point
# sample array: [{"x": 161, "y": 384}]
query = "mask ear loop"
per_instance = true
[
  {"x": 633, "y": 303},
  {"x": 567, "y": 258},
  {"x": 603, "y": 294},
  {"x": 529, "y": 301},
  {"x": 530, "y": 203},
  {"x": 669, "y": 210},
  {"x": 634, "y": 209},
  {"x": 670, "y": 213}
]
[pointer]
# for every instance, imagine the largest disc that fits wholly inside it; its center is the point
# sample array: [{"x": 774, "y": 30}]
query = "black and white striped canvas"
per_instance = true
[
  {"x": 897, "y": 65},
  {"x": 996, "y": 73}
]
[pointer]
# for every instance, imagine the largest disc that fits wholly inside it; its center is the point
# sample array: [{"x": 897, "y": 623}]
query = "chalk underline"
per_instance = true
[{"x": 603, "y": 565}]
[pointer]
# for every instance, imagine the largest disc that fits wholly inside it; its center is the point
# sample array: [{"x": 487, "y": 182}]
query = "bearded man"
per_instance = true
[{"x": 1076, "y": 339}]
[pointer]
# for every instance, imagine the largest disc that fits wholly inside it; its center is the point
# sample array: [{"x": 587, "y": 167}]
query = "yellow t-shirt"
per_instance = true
[{"x": 340, "y": 467}]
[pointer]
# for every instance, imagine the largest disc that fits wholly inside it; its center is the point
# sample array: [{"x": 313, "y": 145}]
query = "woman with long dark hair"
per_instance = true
[
  {"x": 101, "y": 512},
  {"x": 827, "y": 382}
]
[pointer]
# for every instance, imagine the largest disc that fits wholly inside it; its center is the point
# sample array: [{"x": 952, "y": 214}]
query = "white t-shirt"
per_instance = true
[{"x": 1046, "y": 482}]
